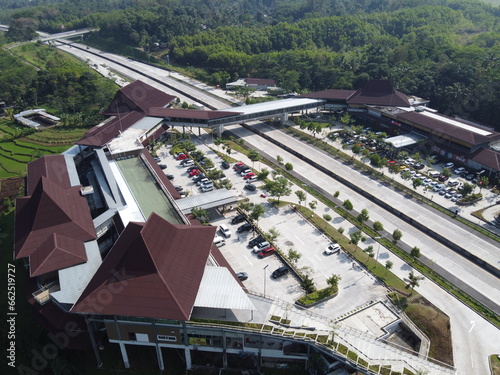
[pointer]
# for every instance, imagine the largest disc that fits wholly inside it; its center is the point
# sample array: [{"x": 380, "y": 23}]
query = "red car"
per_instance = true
[
  {"x": 194, "y": 172},
  {"x": 235, "y": 167},
  {"x": 181, "y": 157},
  {"x": 266, "y": 252},
  {"x": 249, "y": 175}
]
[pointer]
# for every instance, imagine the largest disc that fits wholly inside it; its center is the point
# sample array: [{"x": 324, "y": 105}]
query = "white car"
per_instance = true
[
  {"x": 261, "y": 246},
  {"x": 206, "y": 188},
  {"x": 333, "y": 248},
  {"x": 459, "y": 170},
  {"x": 225, "y": 230}
]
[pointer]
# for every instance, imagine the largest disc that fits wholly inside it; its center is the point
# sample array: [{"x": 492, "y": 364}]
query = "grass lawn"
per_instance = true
[{"x": 495, "y": 364}]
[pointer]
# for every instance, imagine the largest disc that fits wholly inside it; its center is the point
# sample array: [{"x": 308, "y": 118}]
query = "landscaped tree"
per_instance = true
[
  {"x": 218, "y": 141},
  {"x": 375, "y": 160},
  {"x": 273, "y": 234},
  {"x": 388, "y": 265},
  {"x": 263, "y": 174},
  {"x": 215, "y": 174},
  {"x": 416, "y": 183},
  {"x": 402, "y": 155},
  {"x": 200, "y": 214},
  {"x": 227, "y": 184},
  {"x": 279, "y": 187},
  {"x": 333, "y": 281},
  {"x": 356, "y": 149},
  {"x": 288, "y": 166},
  {"x": 228, "y": 151},
  {"x": 313, "y": 204},
  {"x": 348, "y": 205},
  {"x": 346, "y": 119},
  {"x": 307, "y": 285},
  {"x": 301, "y": 196},
  {"x": 279, "y": 159},
  {"x": 397, "y": 235},
  {"x": 378, "y": 226},
  {"x": 413, "y": 281},
  {"x": 327, "y": 217},
  {"x": 393, "y": 168},
  {"x": 254, "y": 156},
  {"x": 358, "y": 129},
  {"x": 294, "y": 256},
  {"x": 406, "y": 175},
  {"x": 257, "y": 211},
  {"x": 363, "y": 215},
  {"x": 415, "y": 252},
  {"x": 355, "y": 237},
  {"x": 369, "y": 251},
  {"x": 447, "y": 172},
  {"x": 466, "y": 189}
]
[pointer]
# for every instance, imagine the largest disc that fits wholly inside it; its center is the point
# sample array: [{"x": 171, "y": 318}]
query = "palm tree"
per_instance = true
[
  {"x": 414, "y": 281},
  {"x": 9, "y": 112}
]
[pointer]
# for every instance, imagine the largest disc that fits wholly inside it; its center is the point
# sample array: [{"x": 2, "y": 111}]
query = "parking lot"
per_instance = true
[{"x": 356, "y": 287}]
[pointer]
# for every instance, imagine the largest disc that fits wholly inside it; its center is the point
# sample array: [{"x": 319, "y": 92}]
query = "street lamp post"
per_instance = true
[
  {"x": 378, "y": 249},
  {"x": 267, "y": 265}
]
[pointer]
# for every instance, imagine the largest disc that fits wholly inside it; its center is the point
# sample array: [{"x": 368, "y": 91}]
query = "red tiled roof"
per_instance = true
[
  {"x": 442, "y": 128},
  {"x": 51, "y": 209},
  {"x": 51, "y": 166},
  {"x": 379, "y": 92},
  {"x": 488, "y": 158},
  {"x": 260, "y": 81},
  {"x": 137, "y": 96},
  {"x": 194, "y": 114},
  {"x": 55, "y": 253},
  {"x": 100, "y": 135},
  {"x": 329, "y": 94},
  {"x": 154, "y": 270}
]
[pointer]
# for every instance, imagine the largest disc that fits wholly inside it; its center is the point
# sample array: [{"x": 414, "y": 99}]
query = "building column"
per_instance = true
[
  {"x": 224, "y": 350},
  {"x": 159, "y": 354},
  {"x": 220, "y": 130},
  {"x": 285, "y": 117},
  {"x": 187, "y": 354},
  {"x": 123, "y": 349}
]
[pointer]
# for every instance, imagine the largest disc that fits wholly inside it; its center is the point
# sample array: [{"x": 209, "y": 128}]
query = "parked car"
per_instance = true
[
  {"x": 419, "y": 166},
  {"x": 225, "y": 230},
  {"x": 224, "y": 165},
  {"x": 442, "y": 178},
  {"x": 252, "y": 179},
  {"x": 261, "y": 246},
  {"x": 191, "y": 168},
  {"x": 245, "y": 228},
  {"x": 206, "y": 188},
  {"x": 238, "y": 165},
  {"x": 282, "y": 271},
  {"x": 332, "y": 248},
  {"x": 250, "y": 187},
  {"x": 170, "y": 176},
  {"x": 194, "y": 172},
  {"x": 456, "y": 197},
  {"x": 202, "y": 181},
  {"x": 187, "y": 163},
  {"x": 453, "y": 183},
  {"x": 162, "y": 166},
  {"x": 238, "y": 219},
  {"x": 242, "y": 276},
  {"x": 219, "y": 241},
  {"x": 469, "y": 177},
  {"x": 249, "y": 175},
  {"x": 459, "y": 170},
  {"x": 449, "y": 165},
  {"x": 244, "y": 172},
  {"x": 256, "y": 240},
  {"x": 178, "y": 187},
  {"x": 266, "y": 252},
  {"x": 201, "y": 176},
  {"x": 156, "y": 159},
  {"x": 181, "y": 157}
]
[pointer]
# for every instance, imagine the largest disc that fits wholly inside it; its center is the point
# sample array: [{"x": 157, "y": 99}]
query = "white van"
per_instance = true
[
  {"x": 189, "y": 163},
  {"x": 219, "y": 241},
  {"x": 434, "y": 174},
  {"x": 225, "y": 230}
]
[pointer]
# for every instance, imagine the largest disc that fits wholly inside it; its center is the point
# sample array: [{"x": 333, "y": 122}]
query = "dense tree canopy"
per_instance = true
[{"x": 447, "y": 51}]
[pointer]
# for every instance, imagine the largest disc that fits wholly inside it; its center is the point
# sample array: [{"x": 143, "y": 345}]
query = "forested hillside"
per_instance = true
[{"x": 445, "y": 50}]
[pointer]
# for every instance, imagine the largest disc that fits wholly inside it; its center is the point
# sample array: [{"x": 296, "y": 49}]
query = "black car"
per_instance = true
[
  {"x": 256, "y": 240},
  {"x": 170, "y": 176},
  {"x": 419, "y": 166},
  {"x": 162, "y": 166},
  {"x": 250, "y": 187},
  {"x": 282, "y": 271},
  {"x": 240, "y": 168},
  {"x": 199, "y": 177},
  {"x": 225, "y": 165},
  {"x": 238, "y": 219},
  {"x": 242, "y": 276},
  {"x": 245, "y": 228}
]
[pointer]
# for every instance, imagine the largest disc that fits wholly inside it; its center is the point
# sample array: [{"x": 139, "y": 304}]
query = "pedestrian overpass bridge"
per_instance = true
[{"x": 279, "y": 109}]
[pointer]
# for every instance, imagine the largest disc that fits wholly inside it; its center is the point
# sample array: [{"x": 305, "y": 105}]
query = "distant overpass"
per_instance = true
[{"x": 65, "y": 34}]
